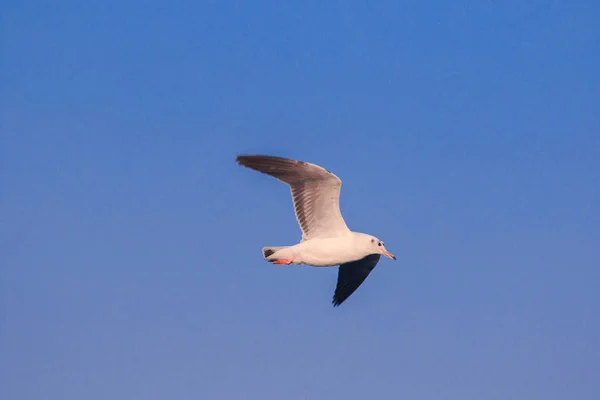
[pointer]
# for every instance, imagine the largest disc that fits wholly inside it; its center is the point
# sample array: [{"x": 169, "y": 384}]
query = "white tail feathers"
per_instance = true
[{"x": 268, "y": 252}]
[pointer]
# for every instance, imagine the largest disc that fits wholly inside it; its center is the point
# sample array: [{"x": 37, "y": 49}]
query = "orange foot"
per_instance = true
[{"x": 283, "y": 261}]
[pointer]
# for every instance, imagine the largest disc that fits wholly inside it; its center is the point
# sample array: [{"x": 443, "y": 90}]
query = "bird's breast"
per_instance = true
[{"x": 322, "y": 252}]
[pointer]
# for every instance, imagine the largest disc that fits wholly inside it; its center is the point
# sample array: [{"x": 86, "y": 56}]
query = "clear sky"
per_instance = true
[{"x": 467, "y": 135}]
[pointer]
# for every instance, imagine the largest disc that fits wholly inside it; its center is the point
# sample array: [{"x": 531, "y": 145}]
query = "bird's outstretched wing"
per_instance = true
[
  {"x": 351, "y": 275},
  {"x": 315, "y": 192}
]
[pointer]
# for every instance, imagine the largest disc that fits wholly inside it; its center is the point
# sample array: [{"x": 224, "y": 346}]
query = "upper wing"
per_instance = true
[
  {"x": 351, "y": 275},
  {"x": 315, "y": 192}
]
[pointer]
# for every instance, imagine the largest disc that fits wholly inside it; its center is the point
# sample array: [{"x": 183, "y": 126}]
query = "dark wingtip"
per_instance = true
[
  {"x": 241, "y": 158},
  {"x": 268, "y": 252},
  {"x": 248, "y": 160}
]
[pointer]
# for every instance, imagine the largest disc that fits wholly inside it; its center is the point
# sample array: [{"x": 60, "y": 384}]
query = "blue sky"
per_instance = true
[{"x": 467, "y": 137}]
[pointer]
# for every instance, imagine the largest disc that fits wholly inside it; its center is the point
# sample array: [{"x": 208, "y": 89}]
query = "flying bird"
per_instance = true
[{"x": 326, "y": 240}]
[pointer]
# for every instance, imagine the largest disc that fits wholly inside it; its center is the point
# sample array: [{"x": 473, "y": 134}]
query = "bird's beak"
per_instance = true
[{"x": 389, "y": 255}]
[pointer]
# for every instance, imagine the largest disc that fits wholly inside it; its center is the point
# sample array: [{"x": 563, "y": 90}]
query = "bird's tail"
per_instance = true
[{"x": 269, "y": 252}]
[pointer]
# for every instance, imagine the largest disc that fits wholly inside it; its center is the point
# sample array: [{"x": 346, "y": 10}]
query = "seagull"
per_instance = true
[{"x": 326, "y": 240}]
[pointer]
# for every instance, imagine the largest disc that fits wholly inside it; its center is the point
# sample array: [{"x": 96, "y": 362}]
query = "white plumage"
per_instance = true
[{"x": 326, "y": 239}]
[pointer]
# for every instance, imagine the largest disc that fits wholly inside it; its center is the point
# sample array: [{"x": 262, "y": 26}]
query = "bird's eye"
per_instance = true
[{"x": 379, "y": 244}]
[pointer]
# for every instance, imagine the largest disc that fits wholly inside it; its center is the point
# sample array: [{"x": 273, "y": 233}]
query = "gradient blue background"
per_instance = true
[{"x": 468, "y": 138}]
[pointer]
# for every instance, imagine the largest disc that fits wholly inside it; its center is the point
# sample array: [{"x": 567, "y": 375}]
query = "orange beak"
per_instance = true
[{"x": 389, "y": 255}]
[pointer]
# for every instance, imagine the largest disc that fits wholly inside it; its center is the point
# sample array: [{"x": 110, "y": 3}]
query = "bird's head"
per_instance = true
[{"x": 376, "y": 246}]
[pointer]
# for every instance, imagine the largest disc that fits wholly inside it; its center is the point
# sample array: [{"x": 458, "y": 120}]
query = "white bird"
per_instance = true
[{"x": 326, "y": 240}]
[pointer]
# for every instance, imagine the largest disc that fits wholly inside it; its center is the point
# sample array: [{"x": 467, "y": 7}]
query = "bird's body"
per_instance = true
[
  {"x": 324, "y": 252},
  {"x": 326, "y": 239}
]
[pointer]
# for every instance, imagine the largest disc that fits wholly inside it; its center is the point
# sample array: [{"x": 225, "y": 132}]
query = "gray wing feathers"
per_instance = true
[{"x": 315, "y": 192}]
